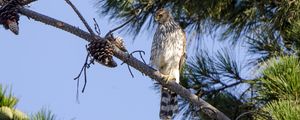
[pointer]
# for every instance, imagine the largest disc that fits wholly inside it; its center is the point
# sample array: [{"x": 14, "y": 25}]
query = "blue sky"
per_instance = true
[{"x": 41, "y": 62}]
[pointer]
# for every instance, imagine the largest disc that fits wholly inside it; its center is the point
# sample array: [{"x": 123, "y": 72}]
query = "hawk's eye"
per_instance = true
[{"x": 160, "y": 15}]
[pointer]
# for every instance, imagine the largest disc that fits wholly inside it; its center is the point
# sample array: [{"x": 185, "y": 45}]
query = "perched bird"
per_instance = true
[{"x": 168, "y": 54}]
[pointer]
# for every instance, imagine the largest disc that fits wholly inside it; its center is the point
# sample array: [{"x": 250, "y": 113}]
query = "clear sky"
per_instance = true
[{"x": 41, "y": 62}]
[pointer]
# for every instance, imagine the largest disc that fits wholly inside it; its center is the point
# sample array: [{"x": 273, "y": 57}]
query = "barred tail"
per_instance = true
[{"x": 168, "y": 104}]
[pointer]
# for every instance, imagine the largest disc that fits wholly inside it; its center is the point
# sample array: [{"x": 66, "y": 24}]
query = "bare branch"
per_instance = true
[
  {"x": 85, "y": 80},
  {"x": 84, "y": 65},
  {"x": 57, "y": 23},
  {"x": 97, "y": 28},
  {"x": 213, "y": 113},
  {"x": 119, "y": 27},
  {"x": 83, "y": 69},
  {"x": 224, "y": 87},
  {"x": 81, "y": 17},
  {"x": 77, "y": 91},
  {"x": 140, "y": 52},
  {"x": 141, "y": 55},
  {"x": 130, "y": 71}
]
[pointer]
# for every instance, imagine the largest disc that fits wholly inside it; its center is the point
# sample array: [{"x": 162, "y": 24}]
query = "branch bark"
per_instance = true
[{"x": 205, "y": 107}]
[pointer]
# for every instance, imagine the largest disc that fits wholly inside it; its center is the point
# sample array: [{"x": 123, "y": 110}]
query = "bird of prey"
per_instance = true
[{"x": 168, "y": 54}]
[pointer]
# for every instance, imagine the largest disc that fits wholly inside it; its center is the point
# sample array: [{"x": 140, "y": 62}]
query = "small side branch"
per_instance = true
[
  {"x": 223, "y": 88},
  {"x": 81, "y": 17},
  {"x": 141, "y": 56},
  {"x": 119, "y": 27},
  {"x": 97, "y": 28},
  {"x": 85, "y": 66}
]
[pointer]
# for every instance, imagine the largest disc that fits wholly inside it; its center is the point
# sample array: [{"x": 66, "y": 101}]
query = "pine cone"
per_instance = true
[
  {"x": 118, "y": 42},
  {"x": 20, "y": 2},
  {"x": 102, "y": 52},
  {"x": 9, "y": 16},
  {"x": 3, "y": 2}
]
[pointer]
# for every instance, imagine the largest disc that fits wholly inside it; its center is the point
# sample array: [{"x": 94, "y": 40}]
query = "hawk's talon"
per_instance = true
[{"x": 168, "y": 78}]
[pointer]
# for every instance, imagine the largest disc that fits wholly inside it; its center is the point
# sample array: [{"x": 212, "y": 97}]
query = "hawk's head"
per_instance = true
[{"x": 162, "y": 16}]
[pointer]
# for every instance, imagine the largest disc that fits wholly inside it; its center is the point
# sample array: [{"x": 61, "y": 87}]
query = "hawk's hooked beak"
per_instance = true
[{"x": 156, "y": 18}]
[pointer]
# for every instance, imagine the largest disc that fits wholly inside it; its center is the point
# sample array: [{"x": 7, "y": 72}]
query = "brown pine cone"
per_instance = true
[
  {"x": 118, "y": 42},
  {"x": 102, "y": 52},
  {"x": 9, "y": 16}
]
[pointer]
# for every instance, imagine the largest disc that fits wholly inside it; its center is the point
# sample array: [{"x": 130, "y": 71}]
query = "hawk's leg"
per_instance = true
[{"x": 168, "y": 78}]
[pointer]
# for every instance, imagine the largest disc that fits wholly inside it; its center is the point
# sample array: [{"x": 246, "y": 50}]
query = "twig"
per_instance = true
[
  {"x": 223, "y": 88},
  {"x": 141, "y": 56},
  {"x": 243, "y": 93},
  {"x": 83, "y": 69},
  {"x": 84, "y": 65},
  {"x": 130, "y": 71},
  {"x": 139, "y": 51},
  {"x": 81, "y": 17},
  {"x": 111, "y": 31},
  {"x": 85, "y": 79},
  {"x": 77, "y": 92},
  {"x": 97, "y": 28},
  {"x": 135, "y": 63}
]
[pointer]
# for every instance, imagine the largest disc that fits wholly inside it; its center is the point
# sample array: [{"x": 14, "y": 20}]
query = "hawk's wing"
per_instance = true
[
  {"x": 154, "y": 50},
  {"x": 183, "y": 57}
]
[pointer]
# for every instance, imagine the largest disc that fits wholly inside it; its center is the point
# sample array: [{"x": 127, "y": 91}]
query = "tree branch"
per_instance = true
[
  {"x": 81, "y": 17},
  {"x": 205, "y": 107},
  {"x": 225, "y": 87}
]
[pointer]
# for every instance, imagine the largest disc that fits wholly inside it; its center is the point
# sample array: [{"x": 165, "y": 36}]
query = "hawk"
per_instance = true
[{"x": 168, "y": 55}]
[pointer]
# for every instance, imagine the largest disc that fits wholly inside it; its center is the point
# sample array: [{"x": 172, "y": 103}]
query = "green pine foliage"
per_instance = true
[
  {"x": 213, "y": 76},
  {"x": 239, "y": 17},
  {"x": 284, "y": 109},
  {"x": 281, "y": 79},
  {"x": 9, "y": 112},
  {"x": 43, "y": 114},
  {"x": 280, "y": 88},
  {"x": 229, "y": 104},
  {"x": 7, "y": 100},
  {"x": 7, "y": 106}
]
